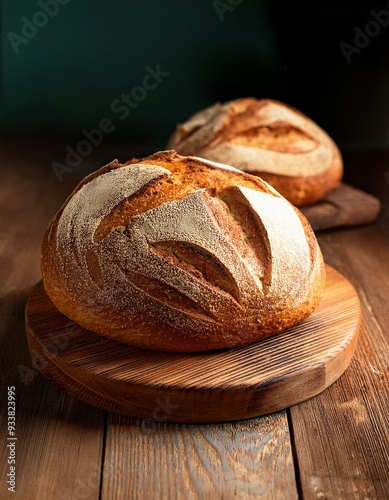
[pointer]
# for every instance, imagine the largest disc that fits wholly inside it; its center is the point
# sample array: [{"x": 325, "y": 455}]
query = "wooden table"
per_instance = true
[{"x": 333, "y": 446}]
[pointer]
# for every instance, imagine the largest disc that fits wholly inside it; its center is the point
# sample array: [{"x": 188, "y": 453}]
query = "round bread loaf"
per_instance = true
[
  {"x": 269, "y": 139},
  {"x": 181, "y": 254}
]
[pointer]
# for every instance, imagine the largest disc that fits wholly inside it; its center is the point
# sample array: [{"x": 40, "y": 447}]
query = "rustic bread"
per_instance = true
[
  {"x": 265, "y": 138},
  {"x": 181, "y": 254}
]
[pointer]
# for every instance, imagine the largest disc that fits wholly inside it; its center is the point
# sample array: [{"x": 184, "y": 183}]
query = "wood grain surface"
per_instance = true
[
  {"x": 333, "y": 446},
  {"x": 342, "y": 437},
  {"x": 257, "y": 379},
  {"x": 247, "y": 459},
  {"x": 59, "y": 440}
]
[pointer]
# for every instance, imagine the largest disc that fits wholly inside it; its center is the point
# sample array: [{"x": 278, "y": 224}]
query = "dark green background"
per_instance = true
[{"x": 67, "y": 76}]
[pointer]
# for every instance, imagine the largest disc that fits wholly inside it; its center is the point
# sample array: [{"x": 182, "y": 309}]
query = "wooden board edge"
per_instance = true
[{"x": 255, "y": 401}]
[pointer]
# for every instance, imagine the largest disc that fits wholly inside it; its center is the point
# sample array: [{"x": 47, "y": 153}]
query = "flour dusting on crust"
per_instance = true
[{"x": 218, "y": 266}]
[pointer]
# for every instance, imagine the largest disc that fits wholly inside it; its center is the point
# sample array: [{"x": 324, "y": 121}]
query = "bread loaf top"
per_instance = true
[
  {"x": 180, "y": 254},
  {"x": 257, "y": 135}
]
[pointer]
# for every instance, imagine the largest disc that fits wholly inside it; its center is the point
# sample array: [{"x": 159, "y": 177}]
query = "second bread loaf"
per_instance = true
[{"x": 269, "y": 139}]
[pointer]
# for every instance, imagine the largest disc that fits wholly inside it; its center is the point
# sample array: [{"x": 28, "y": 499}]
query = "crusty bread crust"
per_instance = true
[
  {"x": 181, "y": 254},
  {"x": 269, "y": 139}
]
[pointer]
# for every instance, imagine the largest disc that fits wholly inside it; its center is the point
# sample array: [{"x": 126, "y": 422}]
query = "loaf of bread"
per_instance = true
[
  {"x": 265, "y": 138},
  {"x": 179, "y": 253}
]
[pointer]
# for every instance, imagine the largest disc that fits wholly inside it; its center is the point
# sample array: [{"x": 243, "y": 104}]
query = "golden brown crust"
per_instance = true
[
  {"x": 269, "y": 139},
  {"x": 305, "y": 190},
  {"x": 180, "y": 254}
]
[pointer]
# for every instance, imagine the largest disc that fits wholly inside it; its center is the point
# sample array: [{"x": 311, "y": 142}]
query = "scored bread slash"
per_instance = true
[{"x": 179, "y": 253}]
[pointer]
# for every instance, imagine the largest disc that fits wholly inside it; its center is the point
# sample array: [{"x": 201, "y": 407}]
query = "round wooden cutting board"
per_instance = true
[{"x": 261, "y": 378}]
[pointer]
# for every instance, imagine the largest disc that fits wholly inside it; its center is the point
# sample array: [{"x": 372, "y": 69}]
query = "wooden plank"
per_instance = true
[
  {"x": 344, "y": 206},
  {"x": 220, "y": 386},
  {"x": 341, "y": 436},
  {"x": 245, "y": 460},
  {"x": 59, "y": 440}
]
